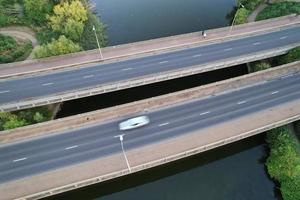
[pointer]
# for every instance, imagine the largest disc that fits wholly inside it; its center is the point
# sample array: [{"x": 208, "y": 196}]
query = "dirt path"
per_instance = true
[
  {"x": 21, "y": 33},
  {"x": 252, "y": 16}
]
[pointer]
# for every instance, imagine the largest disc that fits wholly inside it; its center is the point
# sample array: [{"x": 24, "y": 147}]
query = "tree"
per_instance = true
[
  {"x": 259, "y": 66},
  {"x": 69, "y": 19},
  {"x": 36, "y": 10},
  {"x": 241, "y": 16},
  {"x": 57, "y": 47}
]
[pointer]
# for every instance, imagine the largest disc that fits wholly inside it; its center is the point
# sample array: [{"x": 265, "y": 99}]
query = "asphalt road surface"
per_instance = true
[
  {"x": 47, "y": 153},
  {"x": 62, "y": 82}
]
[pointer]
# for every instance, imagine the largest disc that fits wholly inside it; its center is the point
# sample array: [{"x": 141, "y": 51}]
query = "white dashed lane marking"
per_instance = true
[
  {"x": 162, "y": 62},
  {"x": 89, "y": 76},
  {"x": 198, "y": 55},
  {"x": 6, "y": 91},
  {"x": 284, "y": 37},
  {"x": 47, "y": 84},
  {"x": 242, "y": 102},
  {"x": 229, "y": 49},
  {"x": 72, "y": 147},
  {"x": 256, "y": 43},
  {"x": 127, "y": 69},
  {"x": 275, "y": 92},
  {"x": 20, "y": 159},
  {"x": 164, "y": 124},
  {"x": 204, "y": 113}
]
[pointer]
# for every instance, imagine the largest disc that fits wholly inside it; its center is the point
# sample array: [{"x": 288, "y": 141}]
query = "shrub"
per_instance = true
[
  {"x": 250, "y": 4},
  {"x": 292, "y": 56},
  {"x": 241, "y": 16},
  {"x": 57, "y": 47},
  {"x": 259, "y": 66},
  {"x": 279, "y": 9},
  {"x": 36, "y": 10},
  {"x": 88, "y": 39},
  {"x": 283, "y": 163}
]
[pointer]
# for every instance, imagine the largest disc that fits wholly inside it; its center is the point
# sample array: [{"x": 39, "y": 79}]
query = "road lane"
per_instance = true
[
  {"x": 61, "y": 82},
  {"x": 27, "y": 158}
]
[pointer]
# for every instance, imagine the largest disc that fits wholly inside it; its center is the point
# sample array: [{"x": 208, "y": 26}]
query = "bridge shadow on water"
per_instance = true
[
  {"x": 247, "y": 156},
  {"x": 142, "y": 92}
]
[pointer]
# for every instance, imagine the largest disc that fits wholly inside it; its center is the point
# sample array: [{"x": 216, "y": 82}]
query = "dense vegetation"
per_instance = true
[
  {"x": 23, "y": 118},
  {"x": 283, "y": 163},
  {"x": 244, "y": 9},
  {"x": 53, "y": 20},
  {"x": 259, "y": 66},
  {"x": 279, "y": 9},
  {"x": 11, "y": 51}
]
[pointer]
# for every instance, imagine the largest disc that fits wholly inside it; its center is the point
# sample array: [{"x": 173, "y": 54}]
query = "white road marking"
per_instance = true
[
  {"x": 198, "y": 55},
  {"x": 162, "y": 62},
  {"x": 256, "y": 43},
  {"x": 20, "y": 159},
  {"x": 287, "y": 76},
  {"x": 47, "y": 84},
  {"x": 204, "y": 113},
  {"x": 89, "y": 76},
  {"x": 72, "y": 147},
  {"x": 164, "y": 124},
  {"x": 126, "y": 69},
  {"x": 241, "y": 102},
  {"x": 229, "y": 49},
  {"x": 6, "y": 91},
  {"x": 284, "y": 37},
  {"x": 275, "y": 92}
]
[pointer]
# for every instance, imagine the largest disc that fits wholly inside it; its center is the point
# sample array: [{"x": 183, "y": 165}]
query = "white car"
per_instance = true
[{"x": 134, "y": 123}]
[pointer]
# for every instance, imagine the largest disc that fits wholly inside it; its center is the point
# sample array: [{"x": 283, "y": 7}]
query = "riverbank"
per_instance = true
[{"x": 284, "y": 161}]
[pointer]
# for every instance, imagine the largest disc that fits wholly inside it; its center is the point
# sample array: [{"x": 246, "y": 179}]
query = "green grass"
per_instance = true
[
  {"x": 283, "y": 163},
  {"x": 279, "y": 9}
]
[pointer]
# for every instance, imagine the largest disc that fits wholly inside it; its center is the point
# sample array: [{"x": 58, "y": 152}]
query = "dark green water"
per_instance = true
[
  {"x": 136, "y": 20},
  {"x": 233, "y": 172}
]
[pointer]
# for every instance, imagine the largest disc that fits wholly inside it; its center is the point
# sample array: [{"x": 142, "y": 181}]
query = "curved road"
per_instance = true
[
  {"x": 47, "y": 85},
  {"x": 32, "y": 157}
]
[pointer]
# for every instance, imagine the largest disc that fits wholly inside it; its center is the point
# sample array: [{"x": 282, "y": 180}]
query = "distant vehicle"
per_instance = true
[{"x": 135, "y": 122}]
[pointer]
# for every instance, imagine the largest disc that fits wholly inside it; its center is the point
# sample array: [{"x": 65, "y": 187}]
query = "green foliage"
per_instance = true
[
  {"x": 36, "y": 10},
  {"x": 259, "y": 66},
  {"x": 241, "y": 16},
  {"x": 23, "y": 118},
  {"x": 283, "y": 163},
  {"x": 46, "y": 35},
  {"x": 88, "y": 39},
  {"x": 57, "y": 47},
  {"x": 10, "y": 121},
  {"x": 250, "y": 4},
  {"x": 292, "y": 56},
  {"x": 10, "y": 51},
  {"x": 279, "y": 9},
  {"x": 69, "y": 19}
]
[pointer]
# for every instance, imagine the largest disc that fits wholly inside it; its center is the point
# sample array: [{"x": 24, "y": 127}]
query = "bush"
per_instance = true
[
  {"x": 241, "y": 16},
  {"x": 57, "y": 47},
  {"x": 46, "y": 35},
  {"x": 283, "y": 163},
  {"x": 279, "y": 9},
  {"x": 250, "y": 4},
  {"x": 259, "y": 66},
  {"x": 88, "y": 39},
  {"x": 10, "y": 51},
  {"x": 292, "y": 56},
  {"x": 37, "y": 10},
  {"x": 23, "y": 118}
]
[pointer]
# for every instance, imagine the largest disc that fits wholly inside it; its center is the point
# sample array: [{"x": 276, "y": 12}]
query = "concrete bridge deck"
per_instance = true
[
  {"x": 63, "y": 86},
  {"x": 250, "y": 105}
]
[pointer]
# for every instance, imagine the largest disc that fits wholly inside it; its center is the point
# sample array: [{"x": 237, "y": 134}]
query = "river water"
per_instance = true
[{"x": 233, "y": 172}]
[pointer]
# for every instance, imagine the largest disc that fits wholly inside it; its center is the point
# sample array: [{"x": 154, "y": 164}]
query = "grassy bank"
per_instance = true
[{"x": 283, "y": 163}]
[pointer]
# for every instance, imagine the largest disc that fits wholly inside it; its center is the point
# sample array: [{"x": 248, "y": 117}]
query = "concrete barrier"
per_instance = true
[{"x": 135, "y": 108}]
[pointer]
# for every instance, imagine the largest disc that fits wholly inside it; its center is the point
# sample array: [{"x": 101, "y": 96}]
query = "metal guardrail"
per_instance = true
[
  {"x": 158, "y": 162},
  {"x": 152, "y": 78}
]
